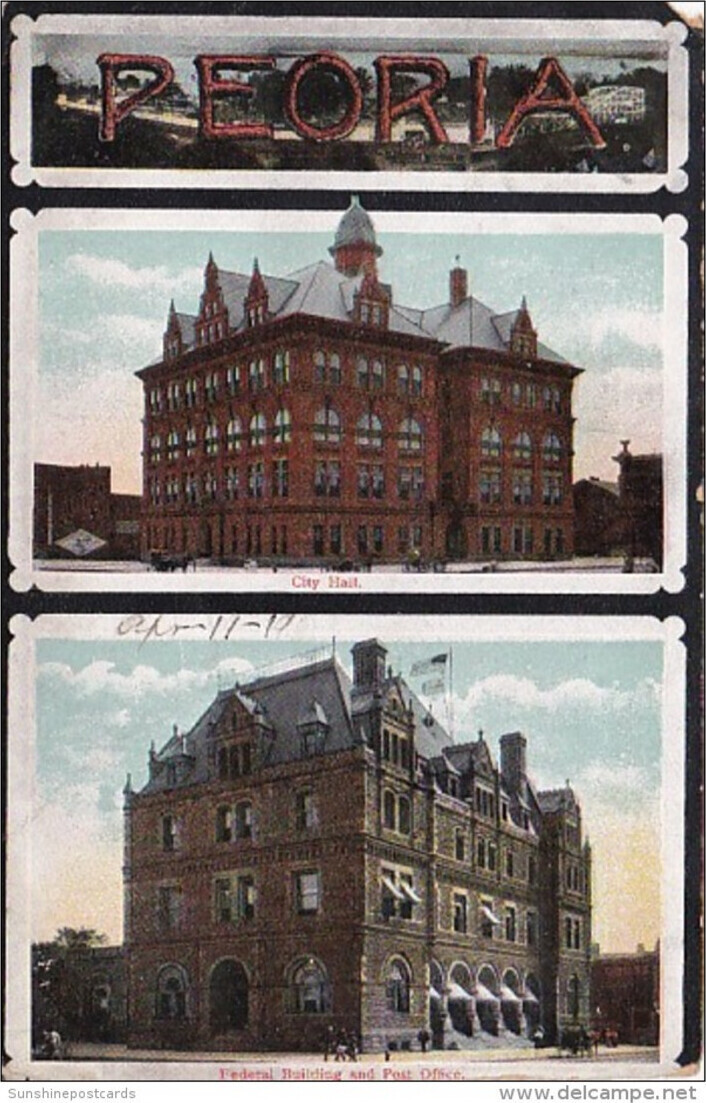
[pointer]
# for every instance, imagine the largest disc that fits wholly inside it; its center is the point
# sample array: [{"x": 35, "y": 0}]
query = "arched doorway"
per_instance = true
[
  {"x": 228, "y": 997},
  {"x": 488, "y": 1000},
  {"x": 511, "y": 1003},
  {"x": 460, "y": 998}
]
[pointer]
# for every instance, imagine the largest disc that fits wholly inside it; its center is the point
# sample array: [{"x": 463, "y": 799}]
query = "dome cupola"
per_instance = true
[{"x": 355, "y": 249}]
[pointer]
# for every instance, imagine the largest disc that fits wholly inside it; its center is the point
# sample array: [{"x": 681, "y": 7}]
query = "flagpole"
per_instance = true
[{"x": 452, "y": 725}]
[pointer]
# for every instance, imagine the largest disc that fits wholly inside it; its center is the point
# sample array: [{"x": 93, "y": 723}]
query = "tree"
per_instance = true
[{"x": 58, "y": 998}]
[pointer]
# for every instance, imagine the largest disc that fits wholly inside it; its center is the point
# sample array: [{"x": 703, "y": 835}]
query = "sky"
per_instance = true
[
  {"x": 591, "y": 712},
  {"x": 595, "y": 298}
]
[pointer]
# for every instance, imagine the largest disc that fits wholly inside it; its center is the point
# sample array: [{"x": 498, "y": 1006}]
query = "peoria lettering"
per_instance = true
[{"x": 550, "y": 90}]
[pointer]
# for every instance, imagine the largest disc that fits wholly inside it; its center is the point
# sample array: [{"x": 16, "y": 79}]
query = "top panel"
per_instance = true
[{"x": 454, "y": 104}]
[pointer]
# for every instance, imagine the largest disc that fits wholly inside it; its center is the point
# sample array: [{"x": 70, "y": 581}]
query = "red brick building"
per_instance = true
[
  {"x": 625, "y": 991},
  {"x": 319, "y": 852},
  {"x": 77, "y": 515},
  {"x": 312, "y": 418}
]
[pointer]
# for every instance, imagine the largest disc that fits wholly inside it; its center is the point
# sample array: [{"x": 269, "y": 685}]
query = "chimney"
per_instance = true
[
  {"x": 368, "y": 665},
  {"x": 513, "y": 760},
  {"x": 458, "y": 285}
]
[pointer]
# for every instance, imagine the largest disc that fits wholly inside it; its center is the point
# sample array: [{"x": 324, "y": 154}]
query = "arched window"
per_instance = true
[
  {"x": 551, "y": 448},
  {"x": 310, "y": 988},
  {"x": 416, "y": 381},
  {"x": 522, "y": 446},
  {"x": 283, "y": 427},
  {"x": 172, "y": 987},
  {"x": 490, "y": 442},
  {"x": 410, "y": 436},
  {"x": 334, "y": 369},
  {"x": 258, "y": 429},
  {"x": 234, "y": 435},
  {"x": 404, "y": 816},
  {"x": 388, "y": 809},
  {"x": 327, "y": 426},
  {"x": 211, "y": 438},
  {"x": 403, "y": 379},
  {"x": 378, "y": 375},
  {"x": 368, "y": 431},
  {"x": 397, "y": 983}
]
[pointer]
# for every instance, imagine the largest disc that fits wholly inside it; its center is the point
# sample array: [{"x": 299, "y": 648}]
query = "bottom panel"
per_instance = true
[{"x": 415, "y": 843}]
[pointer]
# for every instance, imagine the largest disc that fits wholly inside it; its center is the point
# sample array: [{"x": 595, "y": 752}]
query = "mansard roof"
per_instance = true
[{"x": 320, "y": 691}]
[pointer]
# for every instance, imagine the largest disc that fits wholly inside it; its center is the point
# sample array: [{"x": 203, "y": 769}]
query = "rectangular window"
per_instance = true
[
  {"x": 362, "y": 540},
  {"x": 335, "y": 540},
  {"x": 531, "y": 929},
  {"x": 318, "y": 539},
  {"x": 169, "y": 901},
  {"x": 491, "y": 539},
  {"x": 460, "y": 913},
  {"x": 281, "y": 478},
  {"x": 256, "y": 480},
  {"x": 510, "y": 925},
  {"x": 460, "y": 846},
  {"x": 305, "y": 811},
  {"x": 308, "y": 890},
  {"x": 490, "y": 487},
  {"x": 509, "y": 863},
  {"x": 377, "y": 539},
  {"x": 223, "y": 905},
  {"x": 245, "y": 897},
  {"x": 169, "y": 833}
]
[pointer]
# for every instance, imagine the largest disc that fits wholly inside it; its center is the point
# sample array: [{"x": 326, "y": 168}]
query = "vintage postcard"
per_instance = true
[
  {"x": 310, "y": 848},
  {"x": 285, "y": 101},
  {"x": 348, "y": 400}
]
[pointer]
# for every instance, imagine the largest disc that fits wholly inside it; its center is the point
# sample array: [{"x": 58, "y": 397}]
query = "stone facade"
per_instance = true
[
  {"x": 312, "y": 419},
  {"x": 318, "y": 852}
]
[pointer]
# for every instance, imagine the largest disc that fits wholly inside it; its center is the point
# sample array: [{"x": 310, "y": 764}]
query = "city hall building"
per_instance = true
[
  {"x": 318, "y": 852},
  {"x": 312, "y": 418}
]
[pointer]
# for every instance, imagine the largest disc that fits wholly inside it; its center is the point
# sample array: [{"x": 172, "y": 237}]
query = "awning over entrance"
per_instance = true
[
  {"x": 457, "y": 992},
  {"x": 507, "y": 995},
  {"x": 484, "y": 995}
]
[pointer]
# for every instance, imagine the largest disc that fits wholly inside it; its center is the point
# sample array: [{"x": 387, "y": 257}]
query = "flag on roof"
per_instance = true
[{"x": 437, "y": 665}]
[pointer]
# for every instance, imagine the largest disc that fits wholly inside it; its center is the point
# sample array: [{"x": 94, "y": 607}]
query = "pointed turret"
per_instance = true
[
  {"x": 523, "y": 335},
  {"x": 257, "y": 302}
]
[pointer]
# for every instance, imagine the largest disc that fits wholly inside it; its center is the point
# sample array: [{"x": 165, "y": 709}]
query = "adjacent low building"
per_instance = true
[
  {"x": 625, "y": 991},
  {"x": 312, "y": 418},
  {"x": 319, "y": 852},
  {"x": 76, "y": 514}
]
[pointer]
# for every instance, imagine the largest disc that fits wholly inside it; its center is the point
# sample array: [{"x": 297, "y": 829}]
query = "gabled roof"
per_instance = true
[{"x": 320, "y": 291}]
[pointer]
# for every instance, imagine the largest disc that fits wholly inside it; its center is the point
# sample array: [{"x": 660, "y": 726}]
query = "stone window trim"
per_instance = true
[
  {"x": 234, "y": 896},
  {"x": 171, "y": 992},
  {"x": 307, "y": 890}
]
